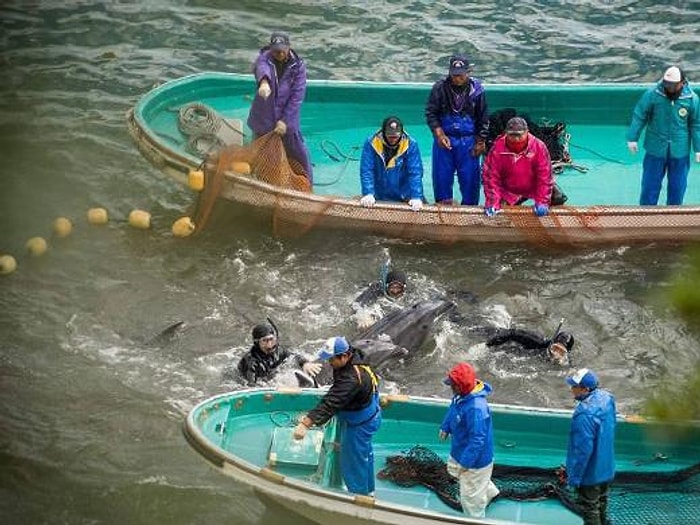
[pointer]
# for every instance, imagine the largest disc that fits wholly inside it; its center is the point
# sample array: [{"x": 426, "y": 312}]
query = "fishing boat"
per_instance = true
[
  {"x": 599, "y": 176},
  {"x": 247, "y": 435}
]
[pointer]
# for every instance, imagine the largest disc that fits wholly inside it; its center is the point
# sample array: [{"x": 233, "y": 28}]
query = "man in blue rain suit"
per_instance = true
[
  {"x": 391, "y": 168},
  {"x": 457, "y": 115},
  {"x": 670, "y": 111}
]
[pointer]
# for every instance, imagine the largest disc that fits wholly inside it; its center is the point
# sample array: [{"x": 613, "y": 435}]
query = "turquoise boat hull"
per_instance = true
[
  {"x": 247, "y": 435},
  {"x": 602, "y": 184}
]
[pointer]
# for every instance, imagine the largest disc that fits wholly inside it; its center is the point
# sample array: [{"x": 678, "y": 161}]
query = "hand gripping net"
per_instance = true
[{"x": 265, "y": 159}]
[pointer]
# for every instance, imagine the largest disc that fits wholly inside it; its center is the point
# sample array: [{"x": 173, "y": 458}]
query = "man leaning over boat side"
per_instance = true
[
  {"x": 517, "y": 168},
  {"x": 670, "y": 111},
  {"x": 590, "y": 459},
  {"x": 468, "y": 422},
  {"x": 265, "y": 356},
  {"x": 391, "y": 168},
  {"x": 457, "y": 115},
  {"x": 280, "y": 74},
  {"x": 354, "y": 399}
]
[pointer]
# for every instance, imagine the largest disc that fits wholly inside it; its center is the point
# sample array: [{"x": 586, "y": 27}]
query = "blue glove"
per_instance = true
[
  {"x": 492, "y": 211},
  {"x": 540, "y": 210}
]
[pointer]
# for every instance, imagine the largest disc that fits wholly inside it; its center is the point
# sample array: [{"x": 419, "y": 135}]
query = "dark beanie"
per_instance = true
[{"x": 395, "y": 276}]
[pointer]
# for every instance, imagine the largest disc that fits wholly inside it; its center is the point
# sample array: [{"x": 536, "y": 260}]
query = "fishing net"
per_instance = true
[
  {"x": 635, "y": 497},
  {"x": 264, "y": 159}
]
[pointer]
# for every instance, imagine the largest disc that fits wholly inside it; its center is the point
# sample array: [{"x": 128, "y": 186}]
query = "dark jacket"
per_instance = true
[
  {"x": 256, "y": 365},
  {"x": 353, "y": 389},
  {"x": 440, "y": 105}
]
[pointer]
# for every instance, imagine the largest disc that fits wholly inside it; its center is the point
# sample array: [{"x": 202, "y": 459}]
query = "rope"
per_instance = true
[{"x": 201, "y": 124}]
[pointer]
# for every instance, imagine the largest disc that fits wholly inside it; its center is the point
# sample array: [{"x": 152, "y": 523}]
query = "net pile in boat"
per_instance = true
[
  {"x": 554, "y": 136},
  {"x": 264, "y": 159},
  {"x": 635, "y": 497}
]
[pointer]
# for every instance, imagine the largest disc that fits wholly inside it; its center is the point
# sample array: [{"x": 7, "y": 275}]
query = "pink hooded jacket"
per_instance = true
[{"x": 507, "y": 177}]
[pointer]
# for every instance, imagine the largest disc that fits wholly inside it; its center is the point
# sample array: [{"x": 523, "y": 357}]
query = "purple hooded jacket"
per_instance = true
[{"x": 287, "y": 94}]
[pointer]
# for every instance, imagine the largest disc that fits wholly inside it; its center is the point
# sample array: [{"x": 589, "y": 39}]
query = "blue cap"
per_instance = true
[
  {"x": 334, "y": 346},
  {"x": 584, "y": 378}
]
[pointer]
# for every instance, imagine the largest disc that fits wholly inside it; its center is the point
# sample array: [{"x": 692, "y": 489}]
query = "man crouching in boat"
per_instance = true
[
  {"x": 517, "y": 168},
  {"x": 354, "y": 398},
  {"x": 468, "y": 421},
  {"x": 391, "y": 168},
  {"x": 281, "y": 78},
  {"x": 265, "y": 356}
]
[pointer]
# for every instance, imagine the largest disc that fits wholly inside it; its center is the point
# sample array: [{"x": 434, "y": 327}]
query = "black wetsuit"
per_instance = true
[
  {"x": 529, "y": 342},
  {"x": 256, "y": 364}
]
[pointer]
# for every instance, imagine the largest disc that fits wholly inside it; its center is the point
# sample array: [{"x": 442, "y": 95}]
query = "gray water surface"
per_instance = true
[{"x": 90, "y": 412}]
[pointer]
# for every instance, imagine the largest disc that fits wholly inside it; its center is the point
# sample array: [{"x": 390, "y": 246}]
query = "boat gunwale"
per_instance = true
[{"x": 225, "y": 461}]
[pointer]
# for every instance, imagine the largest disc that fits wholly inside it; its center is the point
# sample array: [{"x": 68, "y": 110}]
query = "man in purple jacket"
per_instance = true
[{"x": 281, "y": 78}]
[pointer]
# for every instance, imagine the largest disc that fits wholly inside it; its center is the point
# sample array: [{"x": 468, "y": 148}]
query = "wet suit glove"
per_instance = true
[
  {"x": 540, "y": 210},
  {"x": 492, "y": 211},
  {"x": 264, "y": 90},
  {"x": 415, "y": 204},
  {"x": 280, "y": 127}
]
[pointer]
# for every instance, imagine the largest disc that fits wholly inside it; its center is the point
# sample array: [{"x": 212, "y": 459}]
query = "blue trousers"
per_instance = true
[
  {"x": 459, "y": 159},
  {"x": 357, "y": 454},
  {"x": 654, "y": 170}
]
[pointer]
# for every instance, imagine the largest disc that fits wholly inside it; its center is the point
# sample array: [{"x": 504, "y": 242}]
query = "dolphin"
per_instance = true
[{"x": 392, "y": 338}]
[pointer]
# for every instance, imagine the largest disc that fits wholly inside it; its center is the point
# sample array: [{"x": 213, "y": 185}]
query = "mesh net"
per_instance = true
[
  {"x": 635, "y": 497},
  {"x": 264, "y": 158}
]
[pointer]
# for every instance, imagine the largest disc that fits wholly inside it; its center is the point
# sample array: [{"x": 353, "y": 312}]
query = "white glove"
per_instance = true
[
  {"x": 697, "y": 156},
  {"x": 415, "y": 204},
  {"x": 312, "y": 369},
  {"x": 264, "y": 90},
  {"x": 280, "y": 127},
  {"x": 632, "y": 146},
  {"x": 368, "y": 200}
]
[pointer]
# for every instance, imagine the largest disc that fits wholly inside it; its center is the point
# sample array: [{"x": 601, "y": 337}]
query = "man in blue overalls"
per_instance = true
[
  {"x": 354, "y": 398},
  {"x": 457, "y": 115}
]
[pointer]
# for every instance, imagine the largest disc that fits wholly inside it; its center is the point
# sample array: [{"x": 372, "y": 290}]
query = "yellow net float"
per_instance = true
[
  {"x": 97, "y": 216},
  {"x": 140, "y": 219},
  {"x": 183, "y": 227},
  {"x": 195, "y": 180},
  {"x": 36, "y": 246},
  {"x": 8, "y": 264},
  {"x": 241, "y": 167},
  {"x": 62, "y": 227}
]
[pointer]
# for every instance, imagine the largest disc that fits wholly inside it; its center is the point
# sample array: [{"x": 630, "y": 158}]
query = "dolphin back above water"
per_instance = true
[{"x": 395, "y": 336}]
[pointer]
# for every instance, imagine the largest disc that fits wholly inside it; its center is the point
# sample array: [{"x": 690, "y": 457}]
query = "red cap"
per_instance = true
[{"x": 463, "y": 377}]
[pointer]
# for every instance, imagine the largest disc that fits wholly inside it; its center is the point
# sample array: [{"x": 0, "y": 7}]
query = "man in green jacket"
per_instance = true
[{"x": 670, "y": 111}]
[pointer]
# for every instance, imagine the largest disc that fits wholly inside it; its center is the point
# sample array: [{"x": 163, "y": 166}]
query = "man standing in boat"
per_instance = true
[
  {"x": 354, "y": 398},
  {"x": 517, "y": 168},
  {"x": 590, "y": 460},
  {"x": 457, "y": 116},
  {"x": 670, "y": 111},
  {"x": 468, "y": 422},
  {"x": 281, "y": 79},
  {"x": 391, "y": 168}
]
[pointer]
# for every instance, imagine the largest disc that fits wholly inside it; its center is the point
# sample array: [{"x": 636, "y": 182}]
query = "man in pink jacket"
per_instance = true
[{"x": 517, "y": 168}]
